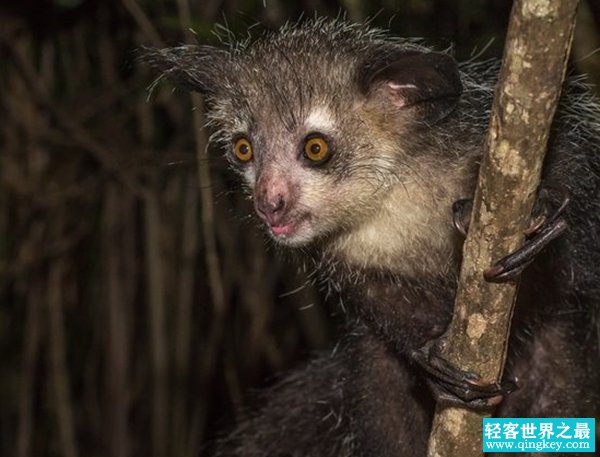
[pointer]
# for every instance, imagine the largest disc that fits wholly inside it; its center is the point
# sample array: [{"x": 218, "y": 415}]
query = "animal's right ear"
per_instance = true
[
  {"x": 427, "y": 83},
  {"x": 194, "y": 68}
]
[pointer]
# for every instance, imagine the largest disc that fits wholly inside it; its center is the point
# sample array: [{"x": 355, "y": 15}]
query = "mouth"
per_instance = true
[
  {"x": 283, "y": 230},
  {"x": 291, "y": 231}
]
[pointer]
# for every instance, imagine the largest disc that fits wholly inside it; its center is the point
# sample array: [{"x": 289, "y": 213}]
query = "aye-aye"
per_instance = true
[{"x": 354, "y": 146}]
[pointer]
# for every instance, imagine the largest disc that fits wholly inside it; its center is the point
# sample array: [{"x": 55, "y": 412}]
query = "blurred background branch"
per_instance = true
[{"x": 139, "y": 305}]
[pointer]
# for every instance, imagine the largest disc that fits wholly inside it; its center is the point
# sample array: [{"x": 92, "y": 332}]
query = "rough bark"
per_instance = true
[{"x": 537, "y": 47}]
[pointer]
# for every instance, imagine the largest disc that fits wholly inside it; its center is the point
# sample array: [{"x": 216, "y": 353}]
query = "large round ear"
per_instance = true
[
  {"x": 427, "y": 82},
  {"x": 194, "y": 68}
]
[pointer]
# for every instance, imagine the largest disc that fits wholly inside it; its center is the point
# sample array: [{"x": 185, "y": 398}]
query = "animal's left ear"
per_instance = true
[
  {"x": 194, "y": 68},
  {"x": 427, "y": 82}
]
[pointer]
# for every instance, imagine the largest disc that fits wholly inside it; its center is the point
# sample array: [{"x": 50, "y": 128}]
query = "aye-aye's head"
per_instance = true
[{"x": 323, "y": 121}]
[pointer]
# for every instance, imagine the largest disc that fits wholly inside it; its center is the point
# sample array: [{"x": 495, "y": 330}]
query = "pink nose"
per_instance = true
[{"x": 272, "y": 198}]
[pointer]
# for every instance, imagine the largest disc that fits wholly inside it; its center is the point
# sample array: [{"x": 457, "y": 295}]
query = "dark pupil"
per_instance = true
[
  {"x": 244, "y": 149},
  {"x": 315, "y": 148}
]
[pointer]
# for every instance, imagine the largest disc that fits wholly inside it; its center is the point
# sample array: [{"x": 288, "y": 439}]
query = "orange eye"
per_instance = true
[
  {"x": 243, "y": 150},
  {"x": 316, "y": 149}
]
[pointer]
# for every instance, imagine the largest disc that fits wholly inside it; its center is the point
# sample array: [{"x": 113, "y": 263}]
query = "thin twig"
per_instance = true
[
  {"x": 58, "y": 358},
  {"x": 117, "y": 360},
  {"x": 31, "y": 346},
  {"x": 183, "y": 318}
]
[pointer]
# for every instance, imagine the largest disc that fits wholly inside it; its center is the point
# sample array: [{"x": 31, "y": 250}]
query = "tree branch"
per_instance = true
[{"x": 535, "y": 57}]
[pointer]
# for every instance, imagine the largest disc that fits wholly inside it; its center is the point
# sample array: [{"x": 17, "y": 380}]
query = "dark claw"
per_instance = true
[
  {"x": 461, "y": 214},
  {"x": 541, "y": 231},
  {"x": 535, "y": 224},
  {"x": 454, "y": 387},
  {"x": 541, "y": 210},
  {"x": 511, "y": 266}
]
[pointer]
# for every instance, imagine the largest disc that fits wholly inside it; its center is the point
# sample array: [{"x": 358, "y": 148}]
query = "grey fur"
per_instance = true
[{"x": 366, "y": 398}]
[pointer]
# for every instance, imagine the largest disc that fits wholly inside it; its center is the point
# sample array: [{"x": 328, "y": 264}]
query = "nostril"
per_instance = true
[
  {"x": 271, "y": 208},
  {"x": 278, "y": 204},
  {"x": 272, "y": 205}
]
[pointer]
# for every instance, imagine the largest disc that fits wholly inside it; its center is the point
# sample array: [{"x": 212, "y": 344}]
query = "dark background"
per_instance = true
[{"x": 139, "y": 304}]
